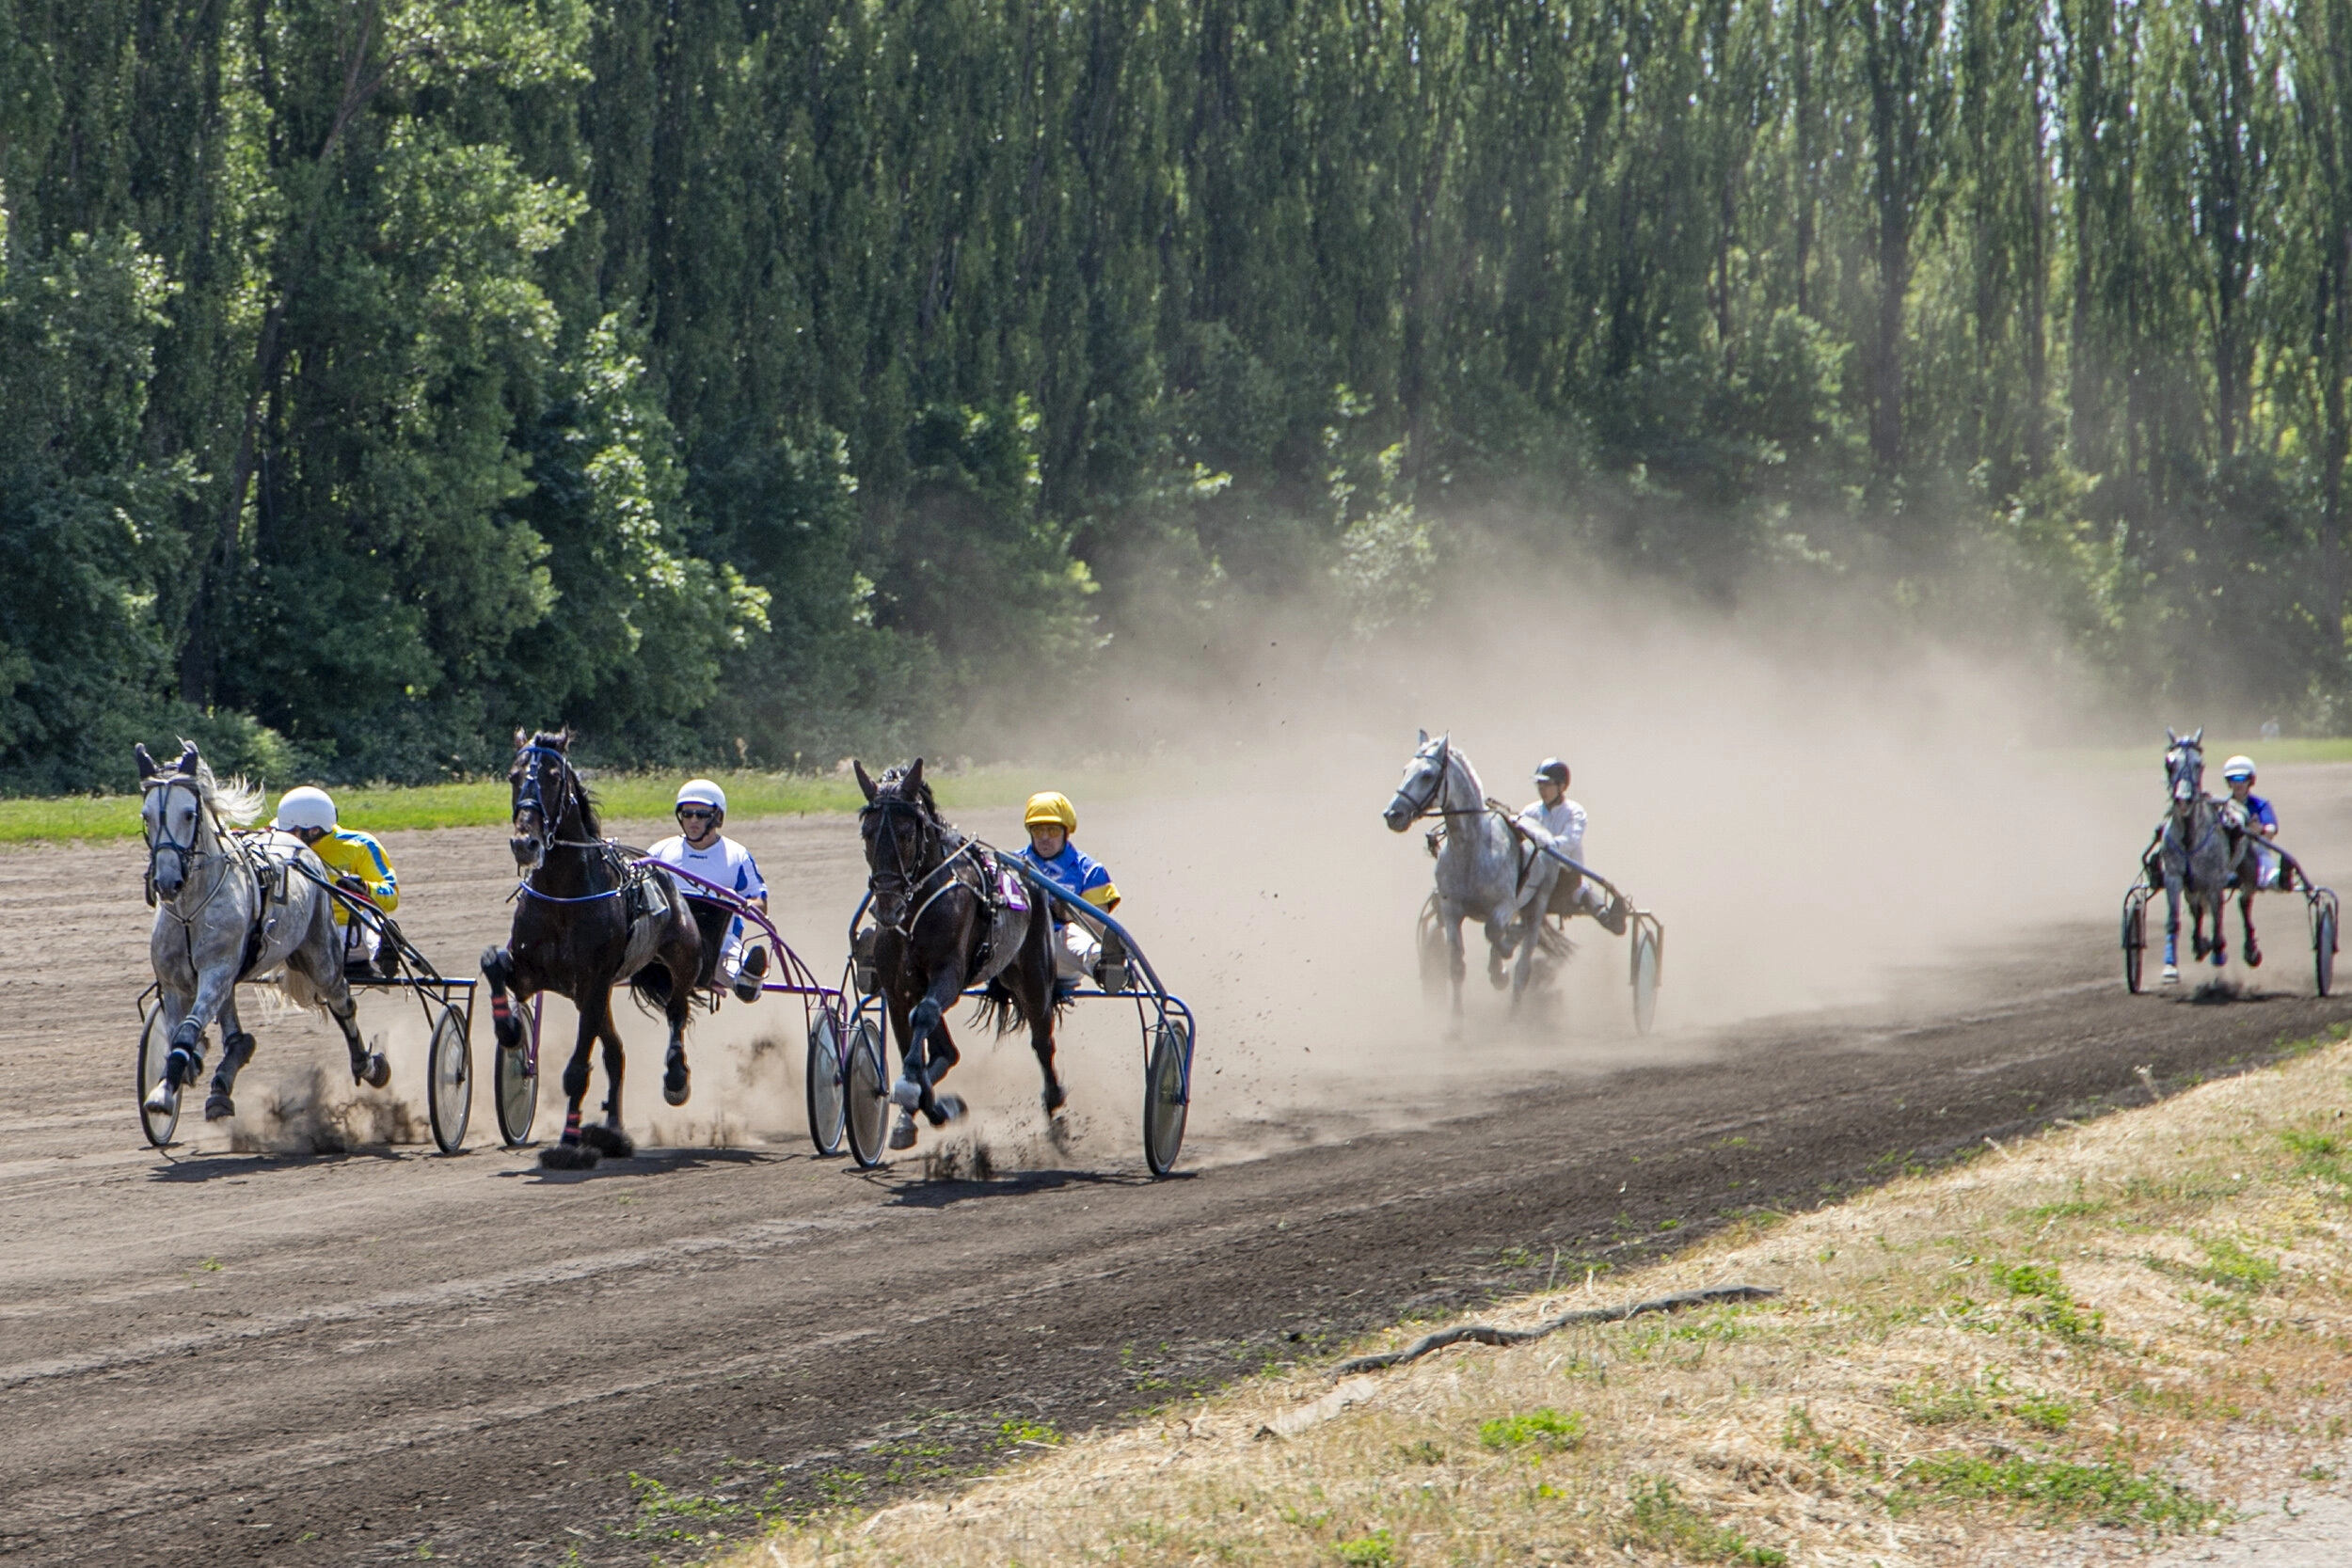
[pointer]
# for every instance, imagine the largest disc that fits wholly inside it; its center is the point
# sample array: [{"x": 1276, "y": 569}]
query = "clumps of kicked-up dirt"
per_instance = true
[
  {"x": 2102, "y": 1343},
  {"x": 312, "y": 1110}
]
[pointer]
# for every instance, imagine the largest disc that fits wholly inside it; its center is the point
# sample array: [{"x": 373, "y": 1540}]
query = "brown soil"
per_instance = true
[{"x": 286, "y": 1356}]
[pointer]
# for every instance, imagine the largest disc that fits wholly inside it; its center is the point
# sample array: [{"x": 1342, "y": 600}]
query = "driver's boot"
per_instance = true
[
  {"x": 235, "y": 1052},
  {"x": 747, "y": 978},
  {"x": 1612, "y": 915}
]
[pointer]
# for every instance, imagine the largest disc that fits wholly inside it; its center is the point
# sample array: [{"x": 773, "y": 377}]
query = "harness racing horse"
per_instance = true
[
  {"x": 585, "y": 920},
  {"x": 2198, "y": 854},
  {"x": 1479, "y": 863},
  {"x": 943, "y": 929},
  {"x": 227, "y": 908}
]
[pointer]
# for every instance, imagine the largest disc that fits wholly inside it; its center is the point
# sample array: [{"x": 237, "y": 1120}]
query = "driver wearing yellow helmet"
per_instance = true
[{"x": 1051, "y": 820}]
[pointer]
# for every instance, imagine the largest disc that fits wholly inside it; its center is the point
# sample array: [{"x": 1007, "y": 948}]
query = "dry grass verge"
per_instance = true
[{"x": 2118, "y": 1332}]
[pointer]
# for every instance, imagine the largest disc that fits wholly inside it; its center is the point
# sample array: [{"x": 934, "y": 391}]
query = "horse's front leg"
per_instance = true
[
  {"x": 236, "y": 1048},
  {"x": 926, "y": 1064},
  {"x": 2246, "y": 911},
  {"x": 216, "y": 983},
  {"x": 498, "y": 969},
  {"x": 2171, "y": 928},
  {"x": 571, "y": 1153},
  {"x": 676, "y": 1084},
  {"x": 608, "y": 1139}
]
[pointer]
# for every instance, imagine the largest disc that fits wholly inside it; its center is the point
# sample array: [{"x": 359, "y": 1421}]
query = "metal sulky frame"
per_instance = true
[{"x": 1164, "y": 1018}]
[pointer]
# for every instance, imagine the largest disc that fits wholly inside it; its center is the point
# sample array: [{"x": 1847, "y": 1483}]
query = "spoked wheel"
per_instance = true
[
  {"x": 154, "y": 1045},
  {"x": 2323, "y": 918},
  {"x": 449, "y": 1079},
  {"x": 868, "y": 1108},
  {"x": 1429, "y": 943},
  {"x": 1165, "y": 1094},
  {"x": 827, "y": 1103},
  {"x": 516, "y": 1085},
  {"x": 2136, "y": 938},
  {"x": 1647, "y": 954}
]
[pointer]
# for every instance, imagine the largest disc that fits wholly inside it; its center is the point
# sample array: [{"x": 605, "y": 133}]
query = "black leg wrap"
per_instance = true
[{"x": 575, "y": 1080}]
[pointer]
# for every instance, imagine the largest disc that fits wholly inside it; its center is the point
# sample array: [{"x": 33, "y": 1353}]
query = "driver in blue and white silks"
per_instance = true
[
  {"x": 2262, "y": 823},
  {"x": 1051, "y": 820},
  {"x": 702, "y": 851},
  {"x": 1561, "y": 821}
]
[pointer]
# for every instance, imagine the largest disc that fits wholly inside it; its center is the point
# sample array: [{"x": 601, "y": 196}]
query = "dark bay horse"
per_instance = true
[
  {"x": 945, "y": 904},
  {"x": 585, "y": 919}
]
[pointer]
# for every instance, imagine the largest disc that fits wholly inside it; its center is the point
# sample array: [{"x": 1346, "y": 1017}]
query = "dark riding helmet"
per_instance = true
[{"x": 1554, "y": 769}]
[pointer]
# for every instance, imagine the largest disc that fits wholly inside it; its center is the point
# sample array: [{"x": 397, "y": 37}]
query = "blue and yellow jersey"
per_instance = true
[
  {"x": 1077, "y": 874},
  {"x": 349, "y": 852}
]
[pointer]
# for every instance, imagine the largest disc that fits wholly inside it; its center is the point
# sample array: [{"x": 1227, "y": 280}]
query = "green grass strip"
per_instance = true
[{"x": 483, "y": 803}]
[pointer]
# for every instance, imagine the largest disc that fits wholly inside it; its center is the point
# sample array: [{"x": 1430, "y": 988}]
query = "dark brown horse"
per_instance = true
[
  {"x": 940, "y": 905},
  {"x": 586, "y": 919}
]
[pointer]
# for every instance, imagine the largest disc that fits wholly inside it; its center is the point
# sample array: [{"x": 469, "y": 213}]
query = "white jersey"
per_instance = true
[
  {"x": 725, "y": 863},
  {"x": 1565, "y": 822}
]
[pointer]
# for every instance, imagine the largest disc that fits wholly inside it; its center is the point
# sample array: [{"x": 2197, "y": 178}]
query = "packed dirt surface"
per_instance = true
[{"x": 304, "y": 1336}]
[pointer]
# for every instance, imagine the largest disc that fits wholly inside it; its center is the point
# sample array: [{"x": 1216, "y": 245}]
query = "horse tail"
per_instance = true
[
  {"x": 649, "y": 987},
  {"x": 999, "y": 1008}
]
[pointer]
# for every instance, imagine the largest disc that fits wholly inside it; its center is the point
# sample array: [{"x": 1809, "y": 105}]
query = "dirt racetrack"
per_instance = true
[{"x": 252, "y": 1351}]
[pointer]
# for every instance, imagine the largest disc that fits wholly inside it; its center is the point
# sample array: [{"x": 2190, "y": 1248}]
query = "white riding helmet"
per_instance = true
[
  {"x": 2238, "y": 767},
  {"x": 701, "y": 792},
  {"x": 305, "y": 808}
]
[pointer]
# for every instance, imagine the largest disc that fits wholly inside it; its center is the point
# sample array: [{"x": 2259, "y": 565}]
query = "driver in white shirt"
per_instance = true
[
  {"x": 1561, "y": 821},
  {"x": 701, "y": 850}
]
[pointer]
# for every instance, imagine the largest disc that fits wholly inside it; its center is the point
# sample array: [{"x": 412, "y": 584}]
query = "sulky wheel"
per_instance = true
[
  {"x": 516, "y": 1081},
  {"x": 1646, "y": 958},
  {"x": 827, "y": 1079},
  {"x": 2134, "y": 938},
  {"x": 449, "y": 1079},
  {"x": 2324, "y": 943},
  {"x": 1165, "y": 1094},
  {"x": 867, "y": 1107},
  {"x": 154, "y": 1045}
]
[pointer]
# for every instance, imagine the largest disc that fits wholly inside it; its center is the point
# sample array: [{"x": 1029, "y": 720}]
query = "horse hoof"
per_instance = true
[
  {"x": 375, "y": 1071},
  {"x": 944, "y": 1109},
  {"x": 218, "y": 1106},
  {"x": 1055, "y": 1097},
  {"x": 568, "y": 1156},
  {"x": 902, "y": 1133},
  {"x": 2253, "y": 957},
  {"x": 906, "y": 1094},
  {"x": 675, "y": 1088},
  {"x": 601, "y": 1139},
  {"x": 2222, "y": 957}
]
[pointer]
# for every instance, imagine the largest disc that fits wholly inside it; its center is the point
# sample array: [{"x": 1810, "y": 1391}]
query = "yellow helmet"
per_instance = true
[{"x": 1051, "y": 805}]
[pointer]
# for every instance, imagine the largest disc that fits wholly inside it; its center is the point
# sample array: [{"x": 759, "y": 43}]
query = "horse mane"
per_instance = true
[
  {"x": 560, "y": 740},
  {"x": 237, "y": 803},
  {"x": 1478, "y": 790},
  {"x": 894, "y": 780}
]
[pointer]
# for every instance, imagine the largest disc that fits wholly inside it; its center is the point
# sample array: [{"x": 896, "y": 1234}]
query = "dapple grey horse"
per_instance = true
[
  {"x": 224, "y": 912},
  {"x": 1479, "y": 861},
  {"x": 2198, "y": 853}
]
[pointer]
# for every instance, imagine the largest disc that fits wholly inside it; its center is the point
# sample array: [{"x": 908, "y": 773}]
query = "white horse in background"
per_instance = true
[
  {"x": 231, "y": 907},
  {"x": 1482, "y": 872}
]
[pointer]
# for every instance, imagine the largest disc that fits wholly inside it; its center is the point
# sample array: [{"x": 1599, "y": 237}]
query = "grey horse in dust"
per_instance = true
[
  {"x": 2197, "y": 854},
  {"x": 228, "y": 906},
  {"x": 1481, "y": 866}
]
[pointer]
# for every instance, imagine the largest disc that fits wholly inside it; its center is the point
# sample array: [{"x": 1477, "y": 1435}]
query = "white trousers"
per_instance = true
[{"x": 1074, "y": 952}]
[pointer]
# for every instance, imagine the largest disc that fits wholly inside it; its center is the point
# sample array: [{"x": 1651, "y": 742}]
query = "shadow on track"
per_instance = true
[
  {"x": 211, "y": 1168},
  {"x": 646, "y": 1162}
]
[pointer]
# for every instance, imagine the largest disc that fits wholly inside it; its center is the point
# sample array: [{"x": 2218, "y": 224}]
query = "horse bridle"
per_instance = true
[
  {"x": 189, "y": 858},
  {"x": 531, "y": 796},
  {"x": 1436, "y": 789},
  {"x": 896, "y": 882}
]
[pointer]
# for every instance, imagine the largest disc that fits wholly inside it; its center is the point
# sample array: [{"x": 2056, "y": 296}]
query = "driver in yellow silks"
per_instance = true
[{"x": 354, "y": 859}]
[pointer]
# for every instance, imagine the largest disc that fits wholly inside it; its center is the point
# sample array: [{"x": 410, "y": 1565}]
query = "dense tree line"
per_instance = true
[{"x": 791, "y": 375}]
